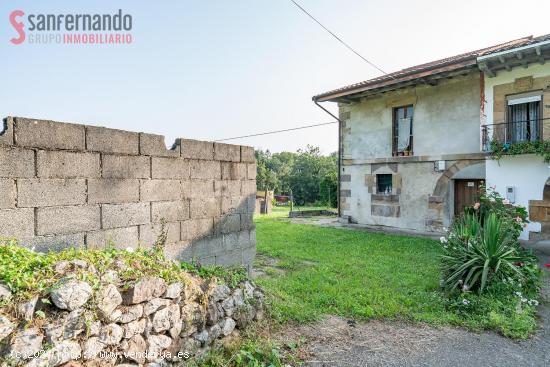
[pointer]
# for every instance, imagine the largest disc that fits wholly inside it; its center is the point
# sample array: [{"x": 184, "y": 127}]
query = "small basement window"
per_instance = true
[{"x": 384, "y": 184}]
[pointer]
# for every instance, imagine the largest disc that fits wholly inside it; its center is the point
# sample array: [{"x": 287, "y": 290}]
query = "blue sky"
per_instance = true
[{"x": 214, "y": 69}]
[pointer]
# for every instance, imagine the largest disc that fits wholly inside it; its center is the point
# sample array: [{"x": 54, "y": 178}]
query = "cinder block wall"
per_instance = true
[{"x": 64, "y": 185}]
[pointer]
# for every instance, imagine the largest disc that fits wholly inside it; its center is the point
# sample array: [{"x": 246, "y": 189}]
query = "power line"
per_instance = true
[
  {"x": 279, "y": 131},
  {"x": 338, "y": 38}
]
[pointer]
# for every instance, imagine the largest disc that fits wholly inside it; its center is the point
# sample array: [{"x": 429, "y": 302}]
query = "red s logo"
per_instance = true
[{"x": 18, "y": 26}]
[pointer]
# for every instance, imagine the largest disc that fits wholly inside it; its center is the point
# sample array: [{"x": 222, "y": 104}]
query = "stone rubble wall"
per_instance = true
[
  {"x": 148, "y": 322},
  {"x": 64, "y": 185}
]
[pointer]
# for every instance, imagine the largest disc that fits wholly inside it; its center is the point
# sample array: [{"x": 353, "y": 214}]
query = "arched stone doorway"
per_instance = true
[{"x": 442, "y": 202}]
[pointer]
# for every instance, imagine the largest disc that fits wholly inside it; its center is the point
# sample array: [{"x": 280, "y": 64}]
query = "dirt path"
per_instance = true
[{"x": 334, "y": 342}]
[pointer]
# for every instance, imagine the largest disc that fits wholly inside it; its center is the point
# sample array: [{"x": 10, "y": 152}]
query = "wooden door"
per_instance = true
[{"x": 466, "y": 194}]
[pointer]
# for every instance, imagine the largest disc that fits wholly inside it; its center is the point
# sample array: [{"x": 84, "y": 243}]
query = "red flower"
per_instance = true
[{"x": 547, "y": 266}]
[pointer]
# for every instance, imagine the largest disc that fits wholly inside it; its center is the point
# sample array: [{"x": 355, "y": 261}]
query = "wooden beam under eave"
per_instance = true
[
  {"x": 487, "y": 70},
  {"x": 503, "y": 62}
]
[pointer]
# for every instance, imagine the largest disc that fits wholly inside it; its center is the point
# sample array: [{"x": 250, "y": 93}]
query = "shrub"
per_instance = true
[
  {"x": 482, "y": 247},
  {"x": 477, "y": 255},
  {"x": 513, "y": 218}
]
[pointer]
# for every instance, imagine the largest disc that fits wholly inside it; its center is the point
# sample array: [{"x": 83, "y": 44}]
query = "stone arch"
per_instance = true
[
  {"x": 442, "y": 184},
  {"x": 436, "y": 202}
]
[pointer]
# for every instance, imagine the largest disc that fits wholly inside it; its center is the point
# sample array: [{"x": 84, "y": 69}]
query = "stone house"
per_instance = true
[{"x": 414, "y": 144}]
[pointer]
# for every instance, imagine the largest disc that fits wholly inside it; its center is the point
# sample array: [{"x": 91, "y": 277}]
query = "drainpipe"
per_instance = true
[{"x": 339, "y": 153}]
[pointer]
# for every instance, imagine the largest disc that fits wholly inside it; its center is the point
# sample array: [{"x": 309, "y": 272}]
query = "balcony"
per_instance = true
[{"x": 511, "y": 133}]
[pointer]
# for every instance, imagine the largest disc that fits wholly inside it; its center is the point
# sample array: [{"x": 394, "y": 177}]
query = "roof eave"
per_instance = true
[{"x": 386, "y": 85}]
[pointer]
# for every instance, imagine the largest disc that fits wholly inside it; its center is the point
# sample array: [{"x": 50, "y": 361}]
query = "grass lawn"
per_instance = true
[{"x": 314, "y": 271}]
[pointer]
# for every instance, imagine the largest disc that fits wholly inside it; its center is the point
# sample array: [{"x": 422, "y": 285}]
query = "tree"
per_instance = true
[
  {"x": 301, "y": 173},
  {"x": 328, "y": 189}
]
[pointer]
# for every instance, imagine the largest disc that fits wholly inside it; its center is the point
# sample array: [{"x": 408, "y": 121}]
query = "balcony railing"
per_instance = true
[{"x": 511, "y": 133}]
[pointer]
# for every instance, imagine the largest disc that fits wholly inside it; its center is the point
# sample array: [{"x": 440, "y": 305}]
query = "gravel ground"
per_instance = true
[{"x": 334, "y": 342}]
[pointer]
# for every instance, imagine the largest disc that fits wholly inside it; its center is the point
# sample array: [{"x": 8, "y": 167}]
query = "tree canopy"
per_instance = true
[{"x": 310, "y": 176}]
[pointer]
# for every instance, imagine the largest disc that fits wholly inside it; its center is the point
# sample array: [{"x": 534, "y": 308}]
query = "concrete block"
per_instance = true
[
  {"x": 227, "y": 188},
  {"x": 247, "y": 154},
  {"x": 228, "y": 223},
  {"x": 208, "y": 246},
  {"x": 238, "y": 171},
  {"x": 230, "y": 258},
  {"x": 154, "y": 145},
  {"x": 45, "y": 244},
  {"x": 170, "y": 168},
  {"x": 248, "y": 188},
  {"x": 195, "y": 149},
  {"x": 37, "y": 192},
  {"x": 253, "y": 237},
  {"x": 170, "y": 211},
  {"x": 202, "y": 189},
  {"x": 119, "y": 238},
  {"x": 110, "y": 190},
  {"x": 251, "y": 171},
  {"x": 63, "y": 164},
  {"x": 205, "y": 208},
  {"x": 231, "y": 205},
  {"x": 67, "y": 219},
  {"x": 149, "y": 233},
  {"x": 226, "y": 170},
  {"x": 205, "y": 169},
  {"x": 230, "y": 241},
  {"x": 7, "y": 193},
  {"x": 197, "y": 228},
  {"x": 16, "y": 162},
  {"x": 179, "y": 251},
  {"x": 251, "y": 204},
  {"x": 125, "y": 215},
  {"x": 18, "y": 223},
  {"x": 101, "y": 139},
  {"x": 243, "y": 239},
  {"x": 247, "y": 221},
  {"x": 49, "y": 134},
  {"x": 186, "y": 189},
  {"x": 205, "y": 261},
  {"x": 158, "y": 190},
  {"x": 227, "y": 152},
  {"x": 125, "y": 166},
  {"x": 248, "y": 255},
  {"x": 6, "y": 136}
]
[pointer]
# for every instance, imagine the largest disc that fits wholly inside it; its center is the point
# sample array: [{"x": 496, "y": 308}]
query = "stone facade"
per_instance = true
[
  {"x": 85, "y": 186},
  {"x": 446, "y": 127}
]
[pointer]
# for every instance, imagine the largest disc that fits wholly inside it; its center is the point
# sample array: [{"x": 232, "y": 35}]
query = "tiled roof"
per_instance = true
[{"x": 465, "y": 59}]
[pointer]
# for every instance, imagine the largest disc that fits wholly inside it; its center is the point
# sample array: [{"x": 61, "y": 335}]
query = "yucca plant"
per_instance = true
[{"x": 477, "y": 255}]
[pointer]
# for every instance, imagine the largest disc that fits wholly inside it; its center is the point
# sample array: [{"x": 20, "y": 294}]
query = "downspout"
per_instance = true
[{"x": 339, "y": 153}]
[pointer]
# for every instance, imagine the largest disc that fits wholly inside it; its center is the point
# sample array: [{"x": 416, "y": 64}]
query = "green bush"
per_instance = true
[
  {"x": 490, "y": 279},
  {"x": 503, "y": 307},
  {"x": 513, "y": 218},
  {"x": 539, "y": 147},
  {"x": 476, "y": 256}
]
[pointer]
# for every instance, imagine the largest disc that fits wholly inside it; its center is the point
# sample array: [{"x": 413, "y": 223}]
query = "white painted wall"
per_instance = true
[{"x": 528, "y": 173}]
